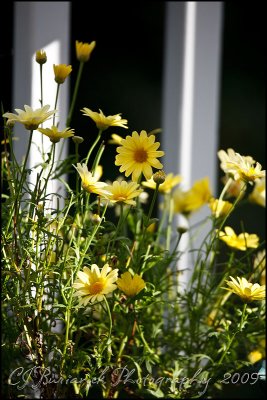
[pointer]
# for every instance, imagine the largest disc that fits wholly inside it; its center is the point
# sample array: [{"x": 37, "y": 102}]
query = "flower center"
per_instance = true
[
  {"x": 140, "y": 155},
  {"x": 121, "y": 198},
  {"x": 97, "y": 287},
  {"x": 247, "y": 292}
]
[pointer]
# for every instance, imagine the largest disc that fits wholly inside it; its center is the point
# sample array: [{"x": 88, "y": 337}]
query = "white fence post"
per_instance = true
[
  {"x": 40, "y": 25},
  {"x": 191, "y": 97}
]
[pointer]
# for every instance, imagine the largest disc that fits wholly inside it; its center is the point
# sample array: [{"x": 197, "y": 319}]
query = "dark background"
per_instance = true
[{"x": 124, "y": 75}]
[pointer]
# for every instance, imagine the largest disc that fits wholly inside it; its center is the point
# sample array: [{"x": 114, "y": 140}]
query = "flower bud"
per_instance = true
[
  {"x": 182, "y": 230},
  {"x": 84, "y": 50},
  {"x": 61, "y": 72},
  {"x": 159, "y": 177},
  {"x": 40, "y": 57},
  {"x": 77, "y": 139}
]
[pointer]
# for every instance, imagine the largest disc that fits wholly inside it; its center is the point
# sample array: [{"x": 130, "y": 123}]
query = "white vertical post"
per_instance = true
[
  {"x": 191, "y": 97},
  {"x": 40, "y": 25}
]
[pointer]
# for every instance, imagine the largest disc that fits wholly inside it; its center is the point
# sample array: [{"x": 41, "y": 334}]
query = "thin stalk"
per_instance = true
[
  {"x": 239, "y": 329},
  {"x": 20, "y": 183},
  {"x": 74, "y": 97},
  {"x": 93, "y": 146}
]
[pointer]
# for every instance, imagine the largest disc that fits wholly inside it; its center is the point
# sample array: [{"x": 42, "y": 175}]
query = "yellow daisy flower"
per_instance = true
[
  {"x": 40, "y": 57},
  {"x": 90, "y": 182},
  {"x": 61, "y": 72},
  {"x": 241, "y": 242},
  {"x": 92, "y": 284},
  {"x": 123, "y": 192},
  {"x": 84, "y": 50},
  {"x": 240, "y": 167},
  {"x": 55, "y": 135},
  {"x": 219, "y": 207},
  {"x": 170, "y": 182},
  {"x": 257, "y": 196},
  {"x": 138, "y": 154},
  {"x": 30, "y": 118},
  {"x": 246, "y": 290},
  {"x": 130, "y": 285},
  {"x": 103, "y": 122}
]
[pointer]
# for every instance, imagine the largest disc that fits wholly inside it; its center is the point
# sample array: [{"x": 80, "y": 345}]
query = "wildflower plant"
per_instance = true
[{"x": 91, "y": 301}]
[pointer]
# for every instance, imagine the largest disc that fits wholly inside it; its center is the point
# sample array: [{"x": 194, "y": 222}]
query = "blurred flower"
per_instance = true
[
  {"x": 152, "y": 227},
  {"x": 89, "y": 181},
  {"x": 255, "y": 356},
  {"x": 170, "y": 182},
  {"x": 191, "y": 200},
  {"x": 138, "y": 154},
  {"x": 235, "y": 187},
  {"x": 258, "y": 194},
  {"x": 40, "y": 57},
  {"x": 220, "y": 207},
  {"x": 30, "y": 118},
  {"x": 92, "y": 284},
  {"x": 240, "y": 242},
  {"x": 123, "y": 192},
  {"x": 102, "y": 122},
  {"x": 240, "y": 167},
  {"x": 55, "y": 135},
  {"x": 61, "y": 72},
  {"x": 84, "y": 50},
  {"x": 115, "y": 139},
  {"x": 246, "y": 290},
  {"x": 130, "y": 285},
  {"x": 259, "y": 264}
]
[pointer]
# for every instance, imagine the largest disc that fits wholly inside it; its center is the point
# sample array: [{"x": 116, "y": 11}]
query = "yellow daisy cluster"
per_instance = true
[{"x": 92, "y": 284}]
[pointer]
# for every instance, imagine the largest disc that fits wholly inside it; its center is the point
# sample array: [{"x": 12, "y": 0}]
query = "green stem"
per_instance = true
[
  {"x": 20, "y": 183},
  {"x": 152, "y": 205},
  {"x": 41, "y": 103},
  {"x": 163, "y": 217},
  {"x": 239, "y": 329},
  {"x": 169, "y": 226},
  {"x": 109, "y": 317},
  {"x": 98, "y": 156},
  {"x": 147, "y": 219},
  {"x": 93, "y": 146},
  {"x": 57, "y": 94},
  {"x": 74, "y": 97}
]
